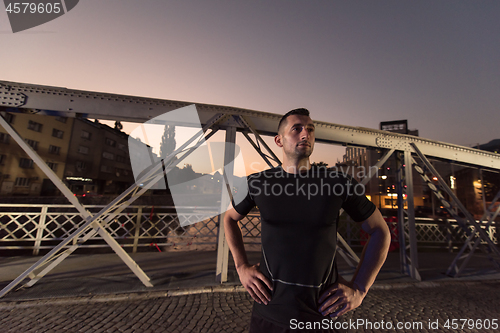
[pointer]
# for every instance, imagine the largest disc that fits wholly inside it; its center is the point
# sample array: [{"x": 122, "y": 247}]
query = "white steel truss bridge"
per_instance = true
[{"x": 413, "y": 154}]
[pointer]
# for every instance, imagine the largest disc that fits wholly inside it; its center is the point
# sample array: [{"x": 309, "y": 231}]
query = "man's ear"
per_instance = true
[{"x": 277, "y": 140}]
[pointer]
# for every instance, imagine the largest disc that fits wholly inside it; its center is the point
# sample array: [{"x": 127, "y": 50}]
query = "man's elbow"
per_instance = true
[
  {"x": 231, "y": 216},
  {"x": 378, "y": 230},
  {"x": 383, "y": 235}
]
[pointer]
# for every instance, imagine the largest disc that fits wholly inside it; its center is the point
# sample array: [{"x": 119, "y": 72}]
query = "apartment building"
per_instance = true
[
  {"x": 90, "y": 157},
  {"x": 48, "y": 137},
  {"x": 98, "y": 160}
]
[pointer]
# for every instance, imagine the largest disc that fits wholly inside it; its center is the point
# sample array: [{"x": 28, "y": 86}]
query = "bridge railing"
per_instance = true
[{"x": 40, "y": 227}]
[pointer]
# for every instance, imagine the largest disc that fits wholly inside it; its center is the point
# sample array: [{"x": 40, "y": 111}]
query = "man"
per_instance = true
[{"x": 296, "y": 285}]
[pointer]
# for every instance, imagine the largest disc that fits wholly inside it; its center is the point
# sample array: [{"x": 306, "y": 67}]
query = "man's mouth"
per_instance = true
[{"x": 304, "y": 144}]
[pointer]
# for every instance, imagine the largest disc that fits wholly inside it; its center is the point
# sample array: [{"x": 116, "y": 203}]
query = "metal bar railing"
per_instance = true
[{"x": 38, "y": 227}]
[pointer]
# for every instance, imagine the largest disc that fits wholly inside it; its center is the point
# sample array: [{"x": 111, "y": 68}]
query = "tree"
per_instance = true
[
  {"x": 167, "y": 145},
  {"x": 118, "y": 125},
  {"x": 320, "y": 164}
]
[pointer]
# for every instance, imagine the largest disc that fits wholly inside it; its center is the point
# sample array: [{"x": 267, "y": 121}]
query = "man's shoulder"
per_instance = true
[
  {"x": 330, "y": 172},
  {"x": 268, "y": 173}
]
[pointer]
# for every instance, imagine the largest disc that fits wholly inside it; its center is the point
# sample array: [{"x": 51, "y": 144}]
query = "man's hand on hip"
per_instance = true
[
  {"x": 252, "y": 279},
  {"x": 340, "y": 298}
]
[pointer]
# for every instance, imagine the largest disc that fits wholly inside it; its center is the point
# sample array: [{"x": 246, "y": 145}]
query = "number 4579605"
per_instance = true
[
  {"x": 471, "y": 324},
  {"x": 31, "y": 7}
]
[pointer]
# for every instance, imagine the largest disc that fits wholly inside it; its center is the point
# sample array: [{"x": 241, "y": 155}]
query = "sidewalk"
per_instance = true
[
  {"x": 98, "y": 293},
  {"x": 106, "y": 274}
]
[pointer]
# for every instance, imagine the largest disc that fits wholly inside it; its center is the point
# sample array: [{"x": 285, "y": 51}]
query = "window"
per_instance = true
[
  {"x": 2, "y": 159},
  {"x": 393, "y": 127},
  {"x": 83, "y": 150},
  {"x": 32, "y": 143},
  {"x": 86, "y": 135},
  {"x": 121, "y": 159},
  {"x": 57, "y": 133},
  {"x": 106, "y": 168},
  {"x": 53, "y": 166},
  {"x": 26, "y": 163},
  {"x": 34, "y": 126},
  {"x": 54, "y": 150},
  {"x": 391, "y": 202},
  {"x": 108, "y": 156},
  {"x": 81, "y": 165},
  {"x": 8, "y": 117},
  {"x": 122, "y": 147},
  {"x": 121, "y": 172},
  {"x": 4, "y": 138},
  {"x": 110, "y": 142},
  {"x": 24, "y": 182},
  {"x": 61, "y": 119}
]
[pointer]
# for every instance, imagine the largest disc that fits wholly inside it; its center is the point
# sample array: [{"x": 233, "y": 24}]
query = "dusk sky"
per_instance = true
[{"x": 435, "y": 63}]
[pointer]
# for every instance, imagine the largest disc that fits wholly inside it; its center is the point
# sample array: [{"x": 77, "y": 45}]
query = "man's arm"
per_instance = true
[
  {"x": 250, "y": 276},
  {"x": 345, "y": 296}
]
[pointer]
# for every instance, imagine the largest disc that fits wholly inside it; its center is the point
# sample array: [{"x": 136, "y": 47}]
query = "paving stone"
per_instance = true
[{"x": 230, "y": 312}]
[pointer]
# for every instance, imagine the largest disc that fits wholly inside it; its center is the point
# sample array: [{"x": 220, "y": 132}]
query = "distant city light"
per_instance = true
[{"x": 79, "y": 178}]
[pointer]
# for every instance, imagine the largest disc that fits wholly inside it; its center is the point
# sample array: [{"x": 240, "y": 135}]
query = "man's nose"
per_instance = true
[{"x": 304, "y": 134}]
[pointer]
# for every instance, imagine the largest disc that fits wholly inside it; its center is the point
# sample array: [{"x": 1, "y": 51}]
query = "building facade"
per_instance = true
[
  {"x": 98, "y": 159},
  {"x": 49, "y": 137},
  {"x": 382, "y": 187},
  {"x": 90, "y": 157}
]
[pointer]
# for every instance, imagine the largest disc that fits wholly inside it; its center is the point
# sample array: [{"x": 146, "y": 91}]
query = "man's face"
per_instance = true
[{"x": 297, "y": 137}]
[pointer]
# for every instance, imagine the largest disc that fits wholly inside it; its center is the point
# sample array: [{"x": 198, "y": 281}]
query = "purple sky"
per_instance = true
[{"x": 435, "y": 63}]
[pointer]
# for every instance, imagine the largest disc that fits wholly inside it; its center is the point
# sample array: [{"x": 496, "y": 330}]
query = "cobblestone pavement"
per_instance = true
[{"x": 411, "y": 305}]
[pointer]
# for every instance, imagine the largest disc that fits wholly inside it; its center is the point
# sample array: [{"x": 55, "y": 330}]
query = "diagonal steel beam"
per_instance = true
[
  {"x": 412, "y": 265},
  {"x": 252, "y": 128},
  {"x": 72, "y": 199},
  {"x": 347, "y": 250},
  {"x": 488, "y": 216},
  {"x": 378, "y": 165},
  {"x": 457, "y": 202},
  {"x": 148, "y": 178},
  {"x": 257, "y": 148},
  {"x": 227, "y": 173}
]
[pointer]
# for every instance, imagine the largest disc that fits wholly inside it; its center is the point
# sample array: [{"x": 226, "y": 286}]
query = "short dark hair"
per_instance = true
[{"x": 300, "y": 112}]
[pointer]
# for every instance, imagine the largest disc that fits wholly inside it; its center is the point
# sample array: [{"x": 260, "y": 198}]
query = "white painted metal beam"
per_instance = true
[{"x": 140, "y": 109}]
